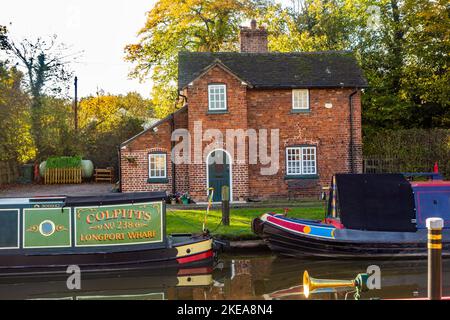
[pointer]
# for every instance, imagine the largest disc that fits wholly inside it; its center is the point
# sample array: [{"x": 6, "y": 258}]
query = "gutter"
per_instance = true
[
  {"x": 172, "y": 146},
  {"x": 350, "y": 151}
]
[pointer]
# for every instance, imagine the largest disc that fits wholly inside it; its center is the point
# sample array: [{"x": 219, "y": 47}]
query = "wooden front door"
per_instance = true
[{"x": 219, "y": 173}]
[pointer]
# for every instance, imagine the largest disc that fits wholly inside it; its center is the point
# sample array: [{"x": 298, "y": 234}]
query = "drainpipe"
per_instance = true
[
  {"x": 350, "y": 153},
  {"x": 119, "y": 153},
  {"x": 172, "y": 144},
  {"x": 172, "y": 124}
]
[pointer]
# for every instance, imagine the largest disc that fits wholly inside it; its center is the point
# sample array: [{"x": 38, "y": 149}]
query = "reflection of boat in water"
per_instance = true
[
  {"x": 369, "y": 216},
  {"x": 143, "y": 284},
  {"x": 113, "y": 231}
]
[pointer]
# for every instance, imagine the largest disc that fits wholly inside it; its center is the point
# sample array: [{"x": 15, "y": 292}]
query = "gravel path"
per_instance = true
[{"x": 32, "y": 190}]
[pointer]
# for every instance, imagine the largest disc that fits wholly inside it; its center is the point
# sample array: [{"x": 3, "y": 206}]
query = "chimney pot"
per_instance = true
[{"x": 254, "y": 39}]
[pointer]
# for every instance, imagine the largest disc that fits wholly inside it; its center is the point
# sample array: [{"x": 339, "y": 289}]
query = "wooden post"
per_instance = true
[
  {"x": 434, "y": 226},
  {"x": 226, "y": 205}
]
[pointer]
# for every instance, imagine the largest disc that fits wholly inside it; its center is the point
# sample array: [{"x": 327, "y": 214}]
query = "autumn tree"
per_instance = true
[
  {"x": 189, "y": 25},
  {"x": 16, "y": 142},
  {"x": 403, "y": 47},
  {"x": 108, "y": 120},
  {"x": 45, "y": 63}
]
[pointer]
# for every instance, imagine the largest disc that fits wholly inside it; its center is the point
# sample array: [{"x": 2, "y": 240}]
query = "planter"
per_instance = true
[
  {"x": 87, "y": 169},
  {"x": 185, "y": 200}
]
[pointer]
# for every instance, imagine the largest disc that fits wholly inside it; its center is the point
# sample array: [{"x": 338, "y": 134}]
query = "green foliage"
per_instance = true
[
  {"x": 403, "y": 47},
  {"x": 16, "y": 142},
  {"x": 105, "y": 121},
  {"x": 410, "y": 150},
  {"x": 191, "y": 25},
  {"x": 45, "y": 63},
  {"x": 63, "y": 162}
]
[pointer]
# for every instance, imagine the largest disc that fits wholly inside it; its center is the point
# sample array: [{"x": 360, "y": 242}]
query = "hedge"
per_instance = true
[
  {"x": 63, "y": 162},
  {"x": 410, "y": 150}
]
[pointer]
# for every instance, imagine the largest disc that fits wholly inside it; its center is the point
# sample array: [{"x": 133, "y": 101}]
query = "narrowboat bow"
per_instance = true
[
  {"x": 369, "y": 216},
  {"x": 107, "y": 232}
]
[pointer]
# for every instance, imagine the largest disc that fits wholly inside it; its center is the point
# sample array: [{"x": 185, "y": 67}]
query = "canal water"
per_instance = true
[{"x": 260, "y": 277}]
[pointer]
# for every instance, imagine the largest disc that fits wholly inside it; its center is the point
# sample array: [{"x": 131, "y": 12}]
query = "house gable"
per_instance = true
[{"x": 218, "y": 64}]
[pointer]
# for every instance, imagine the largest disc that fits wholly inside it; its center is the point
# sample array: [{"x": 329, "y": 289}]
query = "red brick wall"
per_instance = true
[
  {"x": 254, "y": 40},
  {"x": 235, "y": 118},
  {"x": 328, "y": 129},
  {"x": 134, "y": 173}
]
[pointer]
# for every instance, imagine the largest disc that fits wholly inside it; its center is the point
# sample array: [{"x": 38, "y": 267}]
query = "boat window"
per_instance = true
[{"x": 433, "y": 204}]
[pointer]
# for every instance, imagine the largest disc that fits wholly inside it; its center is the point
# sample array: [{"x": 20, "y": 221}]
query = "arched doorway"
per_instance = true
[{"x": 219, "y": 173}]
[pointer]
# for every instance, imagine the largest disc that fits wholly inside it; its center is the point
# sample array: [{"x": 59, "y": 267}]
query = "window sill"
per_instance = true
[
  {"x": 300, "y": 177},
  {"x": 158, "y": 180},
  {"x": 217, "y": 112},
  {"x": 300, "y": 111}
]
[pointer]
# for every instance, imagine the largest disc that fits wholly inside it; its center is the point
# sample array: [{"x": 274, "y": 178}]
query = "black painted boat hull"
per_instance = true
[
  {"x": 189, "y": 251},
  {"x": 293, "y": 244}
]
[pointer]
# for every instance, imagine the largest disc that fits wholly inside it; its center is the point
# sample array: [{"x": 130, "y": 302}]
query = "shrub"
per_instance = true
[{"x": 63, "y": 162}]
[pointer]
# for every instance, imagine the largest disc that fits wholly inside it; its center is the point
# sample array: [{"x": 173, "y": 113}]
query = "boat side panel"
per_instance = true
[{"x": 9, "y": 229}]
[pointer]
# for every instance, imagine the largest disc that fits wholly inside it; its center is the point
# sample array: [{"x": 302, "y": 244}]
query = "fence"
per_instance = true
[
  {"x": 408, "y": 150},
  {"x": 380, "y": 164},
  {"x": 9, "y": 172},
  {"x": 63, "y": 176}
]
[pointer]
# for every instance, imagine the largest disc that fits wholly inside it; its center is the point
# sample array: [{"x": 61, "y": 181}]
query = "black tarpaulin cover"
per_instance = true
[
  {"x": 114, "y": 198},
  {"x": 376, "y": 202}
]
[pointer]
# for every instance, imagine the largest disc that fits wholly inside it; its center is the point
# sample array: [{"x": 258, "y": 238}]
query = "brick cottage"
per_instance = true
[{"x": 310, "y": 102}]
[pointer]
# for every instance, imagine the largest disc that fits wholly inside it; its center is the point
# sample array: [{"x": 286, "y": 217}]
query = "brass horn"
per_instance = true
[{"x": 311, "y": 284}]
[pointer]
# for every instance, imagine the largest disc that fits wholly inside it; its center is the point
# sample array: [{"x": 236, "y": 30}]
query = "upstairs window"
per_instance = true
[
  {"x": 300, "y": 99},
  {"x": 217, "y": 97},
  {"x": 301, "y": 161},
  {"x": 157, "y": 166}
]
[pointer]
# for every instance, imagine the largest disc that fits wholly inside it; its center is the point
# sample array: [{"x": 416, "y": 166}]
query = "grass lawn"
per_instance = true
[{"x": 190, "y": 221}]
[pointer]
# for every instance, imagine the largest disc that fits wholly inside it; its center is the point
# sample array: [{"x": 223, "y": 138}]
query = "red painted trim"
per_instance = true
[
  {"x": 197, "y": 257},
  {"x": 334, "y": 223},
  {"x": 287, "y": 224},
  {"x": 192, "y": 271},
  {"x": 431, "y": 184}
]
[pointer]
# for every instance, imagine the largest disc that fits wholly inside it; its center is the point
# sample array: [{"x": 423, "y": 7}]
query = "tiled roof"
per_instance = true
[{"x": 277, "y": 70}]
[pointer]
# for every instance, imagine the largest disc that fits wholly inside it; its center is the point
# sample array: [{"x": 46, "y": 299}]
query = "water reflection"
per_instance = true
[{"x": 232, "y": 278}]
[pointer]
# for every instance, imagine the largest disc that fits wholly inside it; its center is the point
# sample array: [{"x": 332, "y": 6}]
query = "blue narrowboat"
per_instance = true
[
  {"x": 368, "y": 216},
  {"x": 98, "y": 232}
]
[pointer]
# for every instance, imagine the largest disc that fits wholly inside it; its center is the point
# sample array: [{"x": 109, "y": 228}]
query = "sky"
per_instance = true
[{"x": 100, "y": 29}]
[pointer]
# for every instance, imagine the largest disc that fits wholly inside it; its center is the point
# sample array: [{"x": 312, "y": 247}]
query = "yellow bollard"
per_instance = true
[{"x": 434, "y": 226}]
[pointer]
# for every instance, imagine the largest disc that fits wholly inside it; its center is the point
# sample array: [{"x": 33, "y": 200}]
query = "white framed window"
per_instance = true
[
  {"x": 301, "y": 161},
  {"x": 217, "y": 97},
  {"x": 157, "y": 166},
  {"x": 300, "y": 99}
]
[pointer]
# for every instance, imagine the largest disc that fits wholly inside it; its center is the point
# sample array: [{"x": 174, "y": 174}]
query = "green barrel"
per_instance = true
[{"x": 26, "y": 173}]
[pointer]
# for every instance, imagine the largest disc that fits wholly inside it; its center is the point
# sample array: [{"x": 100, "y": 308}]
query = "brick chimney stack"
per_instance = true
[{"x": 254, "y": 39}]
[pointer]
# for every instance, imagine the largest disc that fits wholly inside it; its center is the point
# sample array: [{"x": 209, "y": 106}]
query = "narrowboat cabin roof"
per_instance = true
[
  {"x": 102, "y": 199},
  {"x": 375, "y": 202}
]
